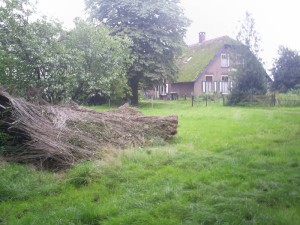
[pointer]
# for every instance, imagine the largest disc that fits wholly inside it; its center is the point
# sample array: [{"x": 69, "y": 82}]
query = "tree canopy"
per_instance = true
[
  {"x": 13, "y": 48},
  {"x": 99, "y": 66},
  {"x": 286, "y": 70},
  {"x": 38, "y": 58},
  {"x": 156, "y": 28},
  {"x": 248, "y": 35}
]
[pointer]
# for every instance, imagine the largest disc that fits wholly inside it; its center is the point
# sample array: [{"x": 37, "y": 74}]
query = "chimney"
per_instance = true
[{"x": 201, "y": 37}]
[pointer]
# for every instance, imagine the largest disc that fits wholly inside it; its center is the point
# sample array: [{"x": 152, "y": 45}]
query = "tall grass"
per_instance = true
[
  {"x": 19, "y": 182},
  {"x": 227, "y": 165}
]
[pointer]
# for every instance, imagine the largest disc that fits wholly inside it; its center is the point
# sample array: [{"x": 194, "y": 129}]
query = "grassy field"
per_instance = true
[{"x": 227, "y": 165}]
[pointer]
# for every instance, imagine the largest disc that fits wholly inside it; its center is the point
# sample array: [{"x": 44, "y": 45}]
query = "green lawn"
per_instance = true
[{"x": 227, "y": 165}]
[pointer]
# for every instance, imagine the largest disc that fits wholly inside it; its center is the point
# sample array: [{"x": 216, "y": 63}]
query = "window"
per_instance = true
[
  {"x": 224, "y": 60},
  {"x": 224, "y": 84},
  {"x": 208, "y": 78},
  {"x": 209, "y": 85},
  {"x": 224, "y": 78}
]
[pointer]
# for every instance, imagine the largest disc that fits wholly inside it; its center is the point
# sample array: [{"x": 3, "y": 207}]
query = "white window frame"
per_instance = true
[
  {"x": 209, "y": 86},
  {"x": 224, "y": 85},
  {"x": 224, "y": 60},
  {"x": 209, "y": 75}
]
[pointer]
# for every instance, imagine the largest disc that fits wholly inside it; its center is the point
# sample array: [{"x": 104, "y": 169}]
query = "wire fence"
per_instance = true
[
  {"x": 207, "y": 100},
  {"x": 272, "y": 99}
]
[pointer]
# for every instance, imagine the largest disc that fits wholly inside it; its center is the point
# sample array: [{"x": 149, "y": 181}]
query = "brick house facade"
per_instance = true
[
  {"x": 214, "y": 76},
  {"x": 204, "y": 68}
]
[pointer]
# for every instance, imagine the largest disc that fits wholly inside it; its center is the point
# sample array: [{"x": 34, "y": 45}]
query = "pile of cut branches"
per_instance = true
[{"x": 59, "y": 136}]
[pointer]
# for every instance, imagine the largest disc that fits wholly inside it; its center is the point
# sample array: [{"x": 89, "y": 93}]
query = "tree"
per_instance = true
[
  {"x": 13, "y": 22},
  {"x": 47, "y": 59},
  {"x": 157, "y": 29},
  {"x": 31, "y": 52},
  {"x": 248, "y": 35},
  {"x": 100, "y": 63},
  {"x": 42, "y": 60},
  {"x": 286, "y": 70},
  {"x": 249, "y": 76}
]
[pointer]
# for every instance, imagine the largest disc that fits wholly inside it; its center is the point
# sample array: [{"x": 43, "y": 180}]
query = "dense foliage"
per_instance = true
[
  {"x": 249, "y": 78},
  {"x": 156, "y": 28},
  {"x": 15, "y": 58},
  {"x": 40, "y": 59},
  {"x": 286, "y": 70},
  {"x": 99, "y": 63},
  {"x": 249, "y": 75}
]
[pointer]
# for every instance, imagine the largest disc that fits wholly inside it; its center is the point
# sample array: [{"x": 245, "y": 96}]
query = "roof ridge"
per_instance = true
[{"x": 210, "y": 40}]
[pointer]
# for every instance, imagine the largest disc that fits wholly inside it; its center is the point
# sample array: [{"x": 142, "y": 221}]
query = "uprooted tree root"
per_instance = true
[{"x": 59, "y": 136}]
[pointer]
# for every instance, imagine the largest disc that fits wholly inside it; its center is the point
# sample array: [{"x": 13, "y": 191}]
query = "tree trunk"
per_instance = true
[{"x": 134, "y": 85}]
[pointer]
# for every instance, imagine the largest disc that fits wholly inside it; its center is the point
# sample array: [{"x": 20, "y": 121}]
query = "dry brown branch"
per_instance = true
[{"x": 59, "y": 136}]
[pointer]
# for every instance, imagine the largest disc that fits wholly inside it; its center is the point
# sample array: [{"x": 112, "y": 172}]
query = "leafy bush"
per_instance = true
[
  {"x": 289, "y": 99},
  {"x": 286, "y": 70},
  {"x": 295, "y": 90}
]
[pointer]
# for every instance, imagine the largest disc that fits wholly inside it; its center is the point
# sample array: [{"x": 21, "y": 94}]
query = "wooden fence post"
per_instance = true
[
  {"x": 273, "y": 99},
  {"x": 192, "y": 100},
  {"x": 152, "y": 102}
]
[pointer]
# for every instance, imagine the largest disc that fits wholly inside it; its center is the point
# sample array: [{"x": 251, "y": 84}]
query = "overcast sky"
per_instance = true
[{"x": 277, "y": 21}]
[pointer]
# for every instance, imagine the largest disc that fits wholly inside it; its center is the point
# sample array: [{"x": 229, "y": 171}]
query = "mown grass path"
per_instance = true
[{"x": 227, "y": 165}]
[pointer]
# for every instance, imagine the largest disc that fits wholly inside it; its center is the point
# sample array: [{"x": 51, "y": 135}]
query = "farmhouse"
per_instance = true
[{"x": 205, "y": 67}]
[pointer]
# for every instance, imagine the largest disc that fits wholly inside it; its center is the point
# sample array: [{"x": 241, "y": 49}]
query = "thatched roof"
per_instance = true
[{"x": 196, "y": 57}]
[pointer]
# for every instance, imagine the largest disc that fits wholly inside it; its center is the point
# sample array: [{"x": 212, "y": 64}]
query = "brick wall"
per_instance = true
[{"x": 183, "y": 89}]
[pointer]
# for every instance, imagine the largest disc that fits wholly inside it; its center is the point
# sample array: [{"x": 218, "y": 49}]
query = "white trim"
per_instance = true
[
  {"x": 212, "y": 76},
  {"x": 225, "y": 62},
  {"x": 224, "y": 84}
]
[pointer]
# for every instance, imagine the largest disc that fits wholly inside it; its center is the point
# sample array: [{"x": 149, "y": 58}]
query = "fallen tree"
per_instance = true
[{"x": 58, "y": 136}]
